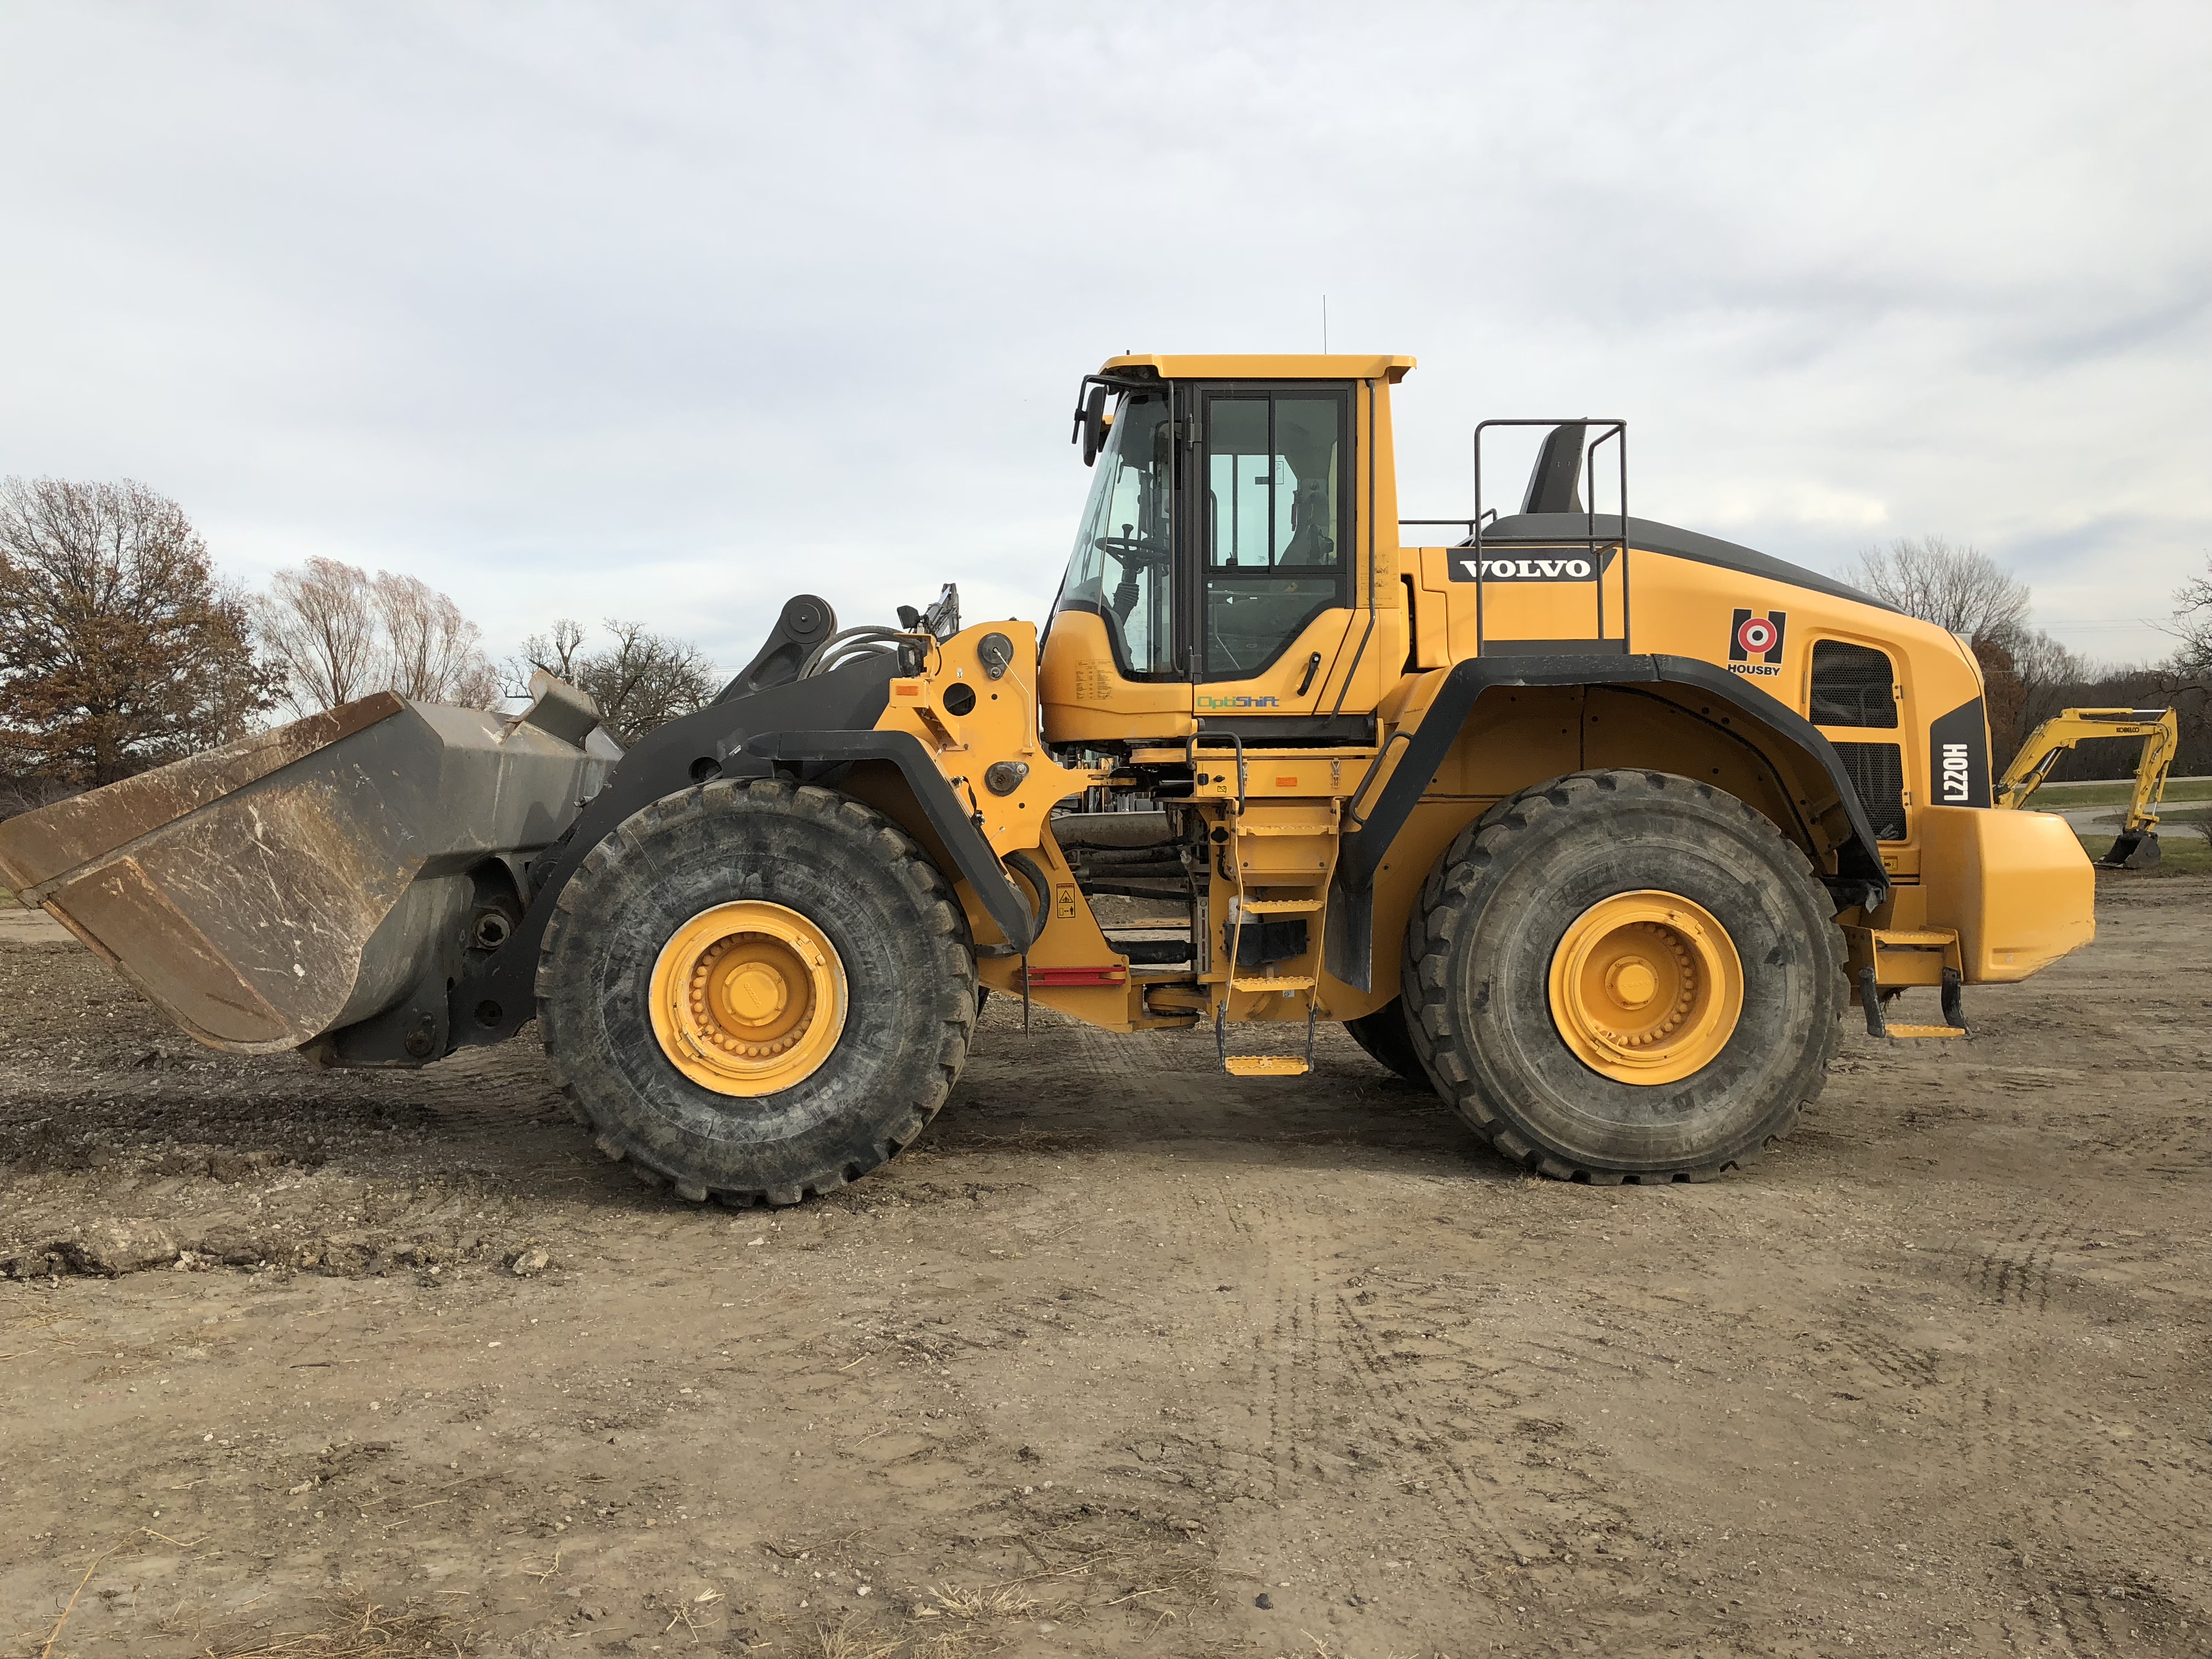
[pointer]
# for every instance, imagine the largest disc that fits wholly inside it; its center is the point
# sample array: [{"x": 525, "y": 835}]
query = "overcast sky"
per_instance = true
[{"x": 667, "y": 312}]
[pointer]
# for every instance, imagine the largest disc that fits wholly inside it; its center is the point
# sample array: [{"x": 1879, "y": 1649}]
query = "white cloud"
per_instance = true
[{"x": 668, "y": 313}]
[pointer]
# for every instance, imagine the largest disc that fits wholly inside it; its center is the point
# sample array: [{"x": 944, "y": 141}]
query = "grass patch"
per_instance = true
[
  {"x": 2181, "y": 853},
  {"x": 2053, "y": 796}
]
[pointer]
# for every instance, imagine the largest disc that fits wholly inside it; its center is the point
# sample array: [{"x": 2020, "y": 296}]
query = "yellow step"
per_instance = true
[
  {"x": 1264, "y": 1066},
  {"x": 1922, "y": 1031},
  {"x": 1281, "y": 982},
  {"x": 1281, "y": 907}
]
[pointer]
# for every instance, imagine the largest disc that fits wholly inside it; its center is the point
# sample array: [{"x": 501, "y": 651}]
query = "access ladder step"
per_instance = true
[
  {"x": 1281, "y": 907},
  {"x": 1280, "y": 982},
  {"x": 1265, "y": 1066}
]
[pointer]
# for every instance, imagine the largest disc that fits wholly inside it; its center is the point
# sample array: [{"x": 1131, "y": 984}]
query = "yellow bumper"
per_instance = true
[{"x": 2015, "y": 886}]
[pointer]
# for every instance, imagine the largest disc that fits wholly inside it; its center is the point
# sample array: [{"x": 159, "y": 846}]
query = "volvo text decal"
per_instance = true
[
  {"x": 1752, "y": 635},
  {"x": 1544, "y": 564}
]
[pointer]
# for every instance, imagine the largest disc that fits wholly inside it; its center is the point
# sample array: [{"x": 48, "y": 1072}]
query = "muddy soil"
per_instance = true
[{"x": 1123, "y": 1356}]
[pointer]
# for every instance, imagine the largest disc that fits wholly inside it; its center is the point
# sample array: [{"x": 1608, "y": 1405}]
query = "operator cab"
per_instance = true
[{"x": 1216, "y": 576}]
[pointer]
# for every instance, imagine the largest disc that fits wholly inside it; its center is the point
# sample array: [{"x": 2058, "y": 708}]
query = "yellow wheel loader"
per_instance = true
[{"x": 1595, "y": 825}]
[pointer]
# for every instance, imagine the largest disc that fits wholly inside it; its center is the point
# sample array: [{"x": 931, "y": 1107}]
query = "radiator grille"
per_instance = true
[
  {"x": 1852, "y": 685},
  {"x": 1877, "y": 772}
]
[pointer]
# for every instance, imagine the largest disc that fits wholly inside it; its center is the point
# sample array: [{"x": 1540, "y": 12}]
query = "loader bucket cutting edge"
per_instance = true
[{"x": 305, "y": 879}]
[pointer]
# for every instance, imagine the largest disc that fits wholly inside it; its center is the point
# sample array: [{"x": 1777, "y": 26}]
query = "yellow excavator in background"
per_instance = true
[{"x": 2135, "y": 846}]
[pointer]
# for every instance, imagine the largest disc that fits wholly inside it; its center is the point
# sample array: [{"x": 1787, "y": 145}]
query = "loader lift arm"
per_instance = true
[{"x": 2136, "y": 847}]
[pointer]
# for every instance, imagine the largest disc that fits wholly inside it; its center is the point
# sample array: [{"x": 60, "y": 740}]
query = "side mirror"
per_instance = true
[{"x": 1091, "y": 425}]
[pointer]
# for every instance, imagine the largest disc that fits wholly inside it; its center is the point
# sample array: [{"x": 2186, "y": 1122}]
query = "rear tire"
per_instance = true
[
  {"x": 1479, "y": 976},
  {"x": 1388, "y": 1039},
  {"x": 903, "y": 947}
]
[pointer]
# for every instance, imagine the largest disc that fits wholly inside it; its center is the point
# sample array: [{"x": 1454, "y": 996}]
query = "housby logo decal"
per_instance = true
[{"x": 1755, "y": 642}]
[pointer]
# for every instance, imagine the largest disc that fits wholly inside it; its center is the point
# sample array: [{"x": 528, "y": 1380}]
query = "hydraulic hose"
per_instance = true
[{"x": 851, "y": 641}]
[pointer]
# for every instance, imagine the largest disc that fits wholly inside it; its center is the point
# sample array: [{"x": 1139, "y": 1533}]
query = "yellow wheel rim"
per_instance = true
[
  {"x": 747, "y": 999},
  {"x": 1646, "y": 987}
]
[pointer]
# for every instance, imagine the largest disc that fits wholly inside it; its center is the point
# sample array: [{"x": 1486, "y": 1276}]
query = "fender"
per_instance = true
[
  {"x": 947, "y": 815},
  {"x": 809, "y": 726},
  {"x": 1859, "y": 877}
]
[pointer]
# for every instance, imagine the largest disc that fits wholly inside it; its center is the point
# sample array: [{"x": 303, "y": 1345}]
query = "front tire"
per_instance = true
[
  {"x": 852, "y": 960},
  {"x": 1384, "y": 1034},
  {"x": 1624, "y": 974}
]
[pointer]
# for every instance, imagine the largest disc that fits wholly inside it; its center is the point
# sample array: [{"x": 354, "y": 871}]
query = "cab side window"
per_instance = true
[{"x": 1277, "y": 536}]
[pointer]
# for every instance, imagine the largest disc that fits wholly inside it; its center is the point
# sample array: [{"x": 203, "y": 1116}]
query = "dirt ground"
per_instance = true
[{"x": 1125, "y": 1356}]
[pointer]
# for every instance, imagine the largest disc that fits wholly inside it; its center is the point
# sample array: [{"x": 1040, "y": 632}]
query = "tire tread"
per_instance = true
[
  {"x": 912, "y": 868},
  {"x": 1463, "y": 867}
]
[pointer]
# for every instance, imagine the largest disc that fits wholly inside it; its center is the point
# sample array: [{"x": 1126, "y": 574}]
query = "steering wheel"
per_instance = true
[{"x": 1131, "y": 550}]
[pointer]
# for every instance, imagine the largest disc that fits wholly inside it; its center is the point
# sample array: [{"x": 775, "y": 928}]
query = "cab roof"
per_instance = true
[{"x": 1312, "y": 366}]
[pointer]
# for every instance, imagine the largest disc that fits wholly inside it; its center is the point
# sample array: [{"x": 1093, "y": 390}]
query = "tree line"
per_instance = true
[
  {"x": 2027, "y": 676},
  {"x": 123, "y": 649}
]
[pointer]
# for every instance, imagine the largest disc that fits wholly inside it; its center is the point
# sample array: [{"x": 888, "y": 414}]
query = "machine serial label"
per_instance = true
[
  {"x": 1957, "y": 787},
  {"x": 1094, "y": 680},
  {"x": 1959, "y": 756}
]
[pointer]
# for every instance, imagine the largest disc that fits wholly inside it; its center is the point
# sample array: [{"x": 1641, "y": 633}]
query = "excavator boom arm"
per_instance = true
[
  {"x": 2158, "y": 727},
  {"x": 2136, "y": 847}
]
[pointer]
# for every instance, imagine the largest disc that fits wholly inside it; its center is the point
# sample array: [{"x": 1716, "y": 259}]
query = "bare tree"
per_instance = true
[
  {"x": 434, "y": 654},
  {"x": 1959, "y": 588},
  {"x": 557, "y": 652},
  {"x": 335, "y": 634},
  {"x": 2043, "y": 661},
  {"x": 2004, "y": 699},
  {"x": 319, "y": 626},
  {"x": 643, "y": 680},
  {"x": 120, "y": 648},
  {"x": 27, "y": 792},
  {"x": 2192, "y": 619},
  {"x": 2049, "y": 674},
  {"x": 2186, "y": 677}
]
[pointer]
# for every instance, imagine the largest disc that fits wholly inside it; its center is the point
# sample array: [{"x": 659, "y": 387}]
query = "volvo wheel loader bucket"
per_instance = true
[{"x": 309, "y": 879}]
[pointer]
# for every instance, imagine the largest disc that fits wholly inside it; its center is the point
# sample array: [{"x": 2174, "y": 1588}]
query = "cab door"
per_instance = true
[{"x": 1269, "y": 588}]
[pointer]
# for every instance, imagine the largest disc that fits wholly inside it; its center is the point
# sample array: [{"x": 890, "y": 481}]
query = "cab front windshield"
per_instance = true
[{"x": 1120, "y": 568}]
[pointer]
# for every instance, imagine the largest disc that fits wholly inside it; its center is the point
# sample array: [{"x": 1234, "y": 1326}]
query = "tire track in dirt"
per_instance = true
[
  {"x": 2015, "y": 1271},
  {"x": 2166, "y": 1147},
  {"x": 1134, "y": 1064},
  {"x": 1379, "y": 1385}
]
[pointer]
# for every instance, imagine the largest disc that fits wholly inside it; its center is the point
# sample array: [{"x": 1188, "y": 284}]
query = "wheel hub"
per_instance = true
[
  {"x": 1646, "y": 987},
  {"x": 748, "y": 997}
]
